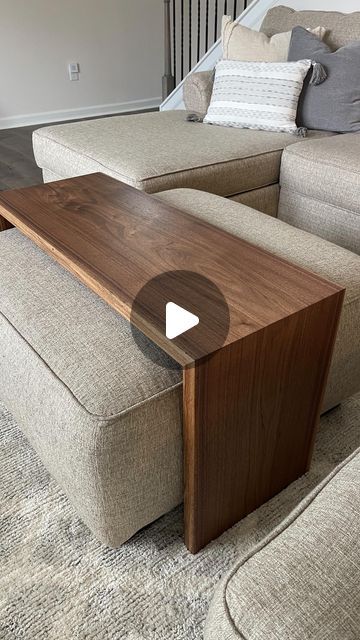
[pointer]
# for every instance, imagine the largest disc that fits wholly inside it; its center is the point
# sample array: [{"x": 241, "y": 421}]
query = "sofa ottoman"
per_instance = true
[
  {"x": 105, "y": 420},
  {"x": 303, "y": 581},
  {"x": 159, "y": 151},
  {"x": 320, "y": 188}
]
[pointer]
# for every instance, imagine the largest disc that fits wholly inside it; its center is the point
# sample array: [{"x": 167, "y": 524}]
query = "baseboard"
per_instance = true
[{"x": 81, "y": 112}]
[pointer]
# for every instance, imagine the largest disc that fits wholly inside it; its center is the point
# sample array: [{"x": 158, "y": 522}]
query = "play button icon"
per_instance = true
[
  {"x": 185, "y": 313},
  {"x": 178, "y": 320}
]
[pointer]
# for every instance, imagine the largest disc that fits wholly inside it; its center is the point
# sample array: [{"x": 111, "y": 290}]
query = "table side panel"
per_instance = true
[
  {"x": 251, "y": 411},
  {"x": 4, "y": 224}
]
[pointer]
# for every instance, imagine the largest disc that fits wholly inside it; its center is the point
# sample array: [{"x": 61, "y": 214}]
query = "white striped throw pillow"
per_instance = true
[{"x": 257, "y": 95}]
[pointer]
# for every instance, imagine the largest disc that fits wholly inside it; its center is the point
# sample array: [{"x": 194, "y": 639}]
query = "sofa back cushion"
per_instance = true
[
  {"x": 334, "y": 105},
  {"x": 342, "y": 27}
]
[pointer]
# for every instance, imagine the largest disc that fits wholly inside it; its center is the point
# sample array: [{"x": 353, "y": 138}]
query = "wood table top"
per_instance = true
[{"x": 116, "y": 239}]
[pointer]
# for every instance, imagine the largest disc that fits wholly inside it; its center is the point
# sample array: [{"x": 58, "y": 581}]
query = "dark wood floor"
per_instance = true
[{"x": 17, "y": 164}]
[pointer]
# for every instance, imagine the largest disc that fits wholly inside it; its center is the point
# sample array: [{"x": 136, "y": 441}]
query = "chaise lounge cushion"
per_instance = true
[
  {"x": 158, "y": 151},
  {"x": 320, "y": 188},
  {"x": 303, "y": 580}
]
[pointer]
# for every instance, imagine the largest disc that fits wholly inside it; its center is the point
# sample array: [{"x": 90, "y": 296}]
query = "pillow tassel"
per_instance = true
[
  {"x": 319, "y": 74},
  {"x": 194, "y": 117}
]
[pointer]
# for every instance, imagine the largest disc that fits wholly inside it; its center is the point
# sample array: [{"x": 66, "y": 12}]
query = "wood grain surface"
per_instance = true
[{"x": 116, "y": 238}]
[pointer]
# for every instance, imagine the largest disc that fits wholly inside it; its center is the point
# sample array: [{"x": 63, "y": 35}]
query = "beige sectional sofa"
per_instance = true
[
  {"x": 320, "y": 189},
  {"x": 160, "y": 151}
]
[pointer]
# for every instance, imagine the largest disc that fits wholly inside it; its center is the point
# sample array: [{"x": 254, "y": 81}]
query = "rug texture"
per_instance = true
[{"x": 58, "y": 583}]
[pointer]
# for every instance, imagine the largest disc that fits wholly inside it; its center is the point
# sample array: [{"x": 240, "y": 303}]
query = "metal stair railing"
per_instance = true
[{"x": 191, "y": 27}]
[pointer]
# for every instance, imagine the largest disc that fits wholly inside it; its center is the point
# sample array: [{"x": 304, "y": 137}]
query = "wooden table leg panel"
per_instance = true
[
  {"x": 4, "y": 224},
  {"x": 251, "y": 411}
]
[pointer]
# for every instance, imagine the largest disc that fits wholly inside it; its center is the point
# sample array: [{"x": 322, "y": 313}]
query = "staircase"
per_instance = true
[
  {"x": 191, "y": 28},
  {"x": 192, "y": 37}
]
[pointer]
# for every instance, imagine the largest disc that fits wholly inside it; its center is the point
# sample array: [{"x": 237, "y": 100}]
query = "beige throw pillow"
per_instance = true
[{"x": 247, "y": 45}]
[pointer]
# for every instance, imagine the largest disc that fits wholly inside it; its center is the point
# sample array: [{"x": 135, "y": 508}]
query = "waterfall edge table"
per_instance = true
[{"x": 252, "y": 403}]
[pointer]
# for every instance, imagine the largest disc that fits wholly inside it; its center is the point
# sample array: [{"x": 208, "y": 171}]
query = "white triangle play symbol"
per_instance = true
[{"x": 178, "y": 320}]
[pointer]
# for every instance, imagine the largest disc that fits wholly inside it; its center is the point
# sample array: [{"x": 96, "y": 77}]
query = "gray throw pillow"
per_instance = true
[{"x": 333, "y": 105}]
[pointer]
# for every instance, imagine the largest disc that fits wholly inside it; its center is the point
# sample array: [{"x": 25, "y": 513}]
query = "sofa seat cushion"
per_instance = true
[
  {"x": 308, "y": 251},
  {"x": 158, "y": 151},
  {"x": 105, "y": 420},
  {"x": 320, "y": 188},
  {"x": 95, "y": 357},
  {"x": 303, "y": 580}
]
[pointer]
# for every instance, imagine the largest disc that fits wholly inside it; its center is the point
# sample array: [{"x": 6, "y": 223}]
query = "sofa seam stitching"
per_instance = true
[
  {"x": 213, "y": 164},
  {"x": 326, "y": 163},
  {"x": 317, "y": 199},
  {"x": 242, "y": 193},
  {"x": 102, "y": 418}
]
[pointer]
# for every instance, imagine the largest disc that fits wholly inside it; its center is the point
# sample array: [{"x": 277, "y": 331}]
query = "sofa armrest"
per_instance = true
[{"x": 197, "y": 91}]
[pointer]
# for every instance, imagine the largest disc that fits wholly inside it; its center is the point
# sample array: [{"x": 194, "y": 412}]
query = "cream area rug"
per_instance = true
[{"x": 58, "y": 583}]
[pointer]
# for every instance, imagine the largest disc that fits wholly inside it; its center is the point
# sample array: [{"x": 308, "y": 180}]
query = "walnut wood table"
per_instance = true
[{"x": 251, "y": 407}]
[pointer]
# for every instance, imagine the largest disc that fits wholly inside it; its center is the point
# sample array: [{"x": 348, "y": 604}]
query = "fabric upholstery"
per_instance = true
[
  {"x": 320, "y": 188},
  {"x": 241, "y": 43},
  {"x": 265, "y": 199},
  {"x": 197, "y": 90},
  {"x": 302, "y": 581},
  {"x": 334, "y": 105},
  {"x": 342, "y": 28},
  {"x": 257, "y": 95},
  {"x": 310, "y": 252},
  {"x": 105, "y": 420},
  {"x": 158, "y": 151}
]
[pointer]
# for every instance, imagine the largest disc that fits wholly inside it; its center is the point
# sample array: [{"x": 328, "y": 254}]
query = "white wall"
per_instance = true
[
  {"x": 118, "y": 43},
  {"x": 322, "y": 5}
]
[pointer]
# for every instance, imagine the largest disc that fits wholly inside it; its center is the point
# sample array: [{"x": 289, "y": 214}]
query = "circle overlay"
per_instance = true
[{"x": 196, "y": 294}]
